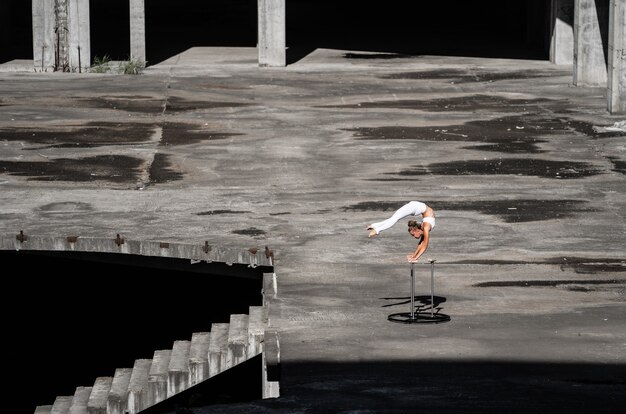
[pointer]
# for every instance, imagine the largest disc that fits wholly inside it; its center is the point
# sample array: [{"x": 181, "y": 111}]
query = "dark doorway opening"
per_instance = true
[{"x": 16, "y": 30}]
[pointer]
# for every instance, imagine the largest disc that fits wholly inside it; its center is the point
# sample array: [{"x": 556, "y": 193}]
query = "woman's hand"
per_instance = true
[{"x": 411, "y": 258}]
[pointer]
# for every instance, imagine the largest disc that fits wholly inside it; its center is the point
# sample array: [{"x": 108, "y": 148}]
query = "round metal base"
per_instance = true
[{"x": 418, "y": 317}]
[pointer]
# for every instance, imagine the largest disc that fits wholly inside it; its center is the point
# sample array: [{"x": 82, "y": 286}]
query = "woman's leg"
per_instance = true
[{"x": 406, "y": 210}]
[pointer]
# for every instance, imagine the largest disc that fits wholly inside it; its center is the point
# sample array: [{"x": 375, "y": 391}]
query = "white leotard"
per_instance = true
[{"x": 412, "y": 208}]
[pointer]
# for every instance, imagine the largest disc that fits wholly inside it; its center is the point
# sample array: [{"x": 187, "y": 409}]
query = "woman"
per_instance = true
[{"x": 420, "y": 231}]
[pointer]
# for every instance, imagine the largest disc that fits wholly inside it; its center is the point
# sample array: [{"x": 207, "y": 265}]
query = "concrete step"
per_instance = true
[
  {"x": 178, "y": 368},
  {"x": 218, "y": 345},
  {"x": 117, "y": 400},
  {"x": 61, "y": 405},
  {"x": 157, "y": 377},
  {"x": 170, "y": 371},
  {"x": 80, "y": 399},
  {"x": 199, "y": 357},
  {"x": 237, "y": 351},
  {"x": 138, "y": 386},
  {"x": 256, "y": 329},
  {"x": 97, "y": 403}
]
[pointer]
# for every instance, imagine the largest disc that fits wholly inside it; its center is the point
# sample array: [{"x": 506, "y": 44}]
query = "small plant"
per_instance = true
[
  {"x": 101, "y": 64},
  {"x": 131, "y": 67}
]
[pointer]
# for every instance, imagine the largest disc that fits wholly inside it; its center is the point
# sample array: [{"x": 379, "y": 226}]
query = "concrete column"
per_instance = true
[
  {"x": 590, "y": 36},
  {"x": 79, "y": 35},
  {"x": 138, "y": 31},
  {"x": 562, "y": 32},
  {"x": 43, "y": 34},
  {"x": 271, "y": 45},
  {"x": 617, "y": 58}
]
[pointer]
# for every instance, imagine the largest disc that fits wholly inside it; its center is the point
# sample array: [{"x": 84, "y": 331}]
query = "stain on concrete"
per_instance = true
[
  {"x": 590, "y": 130},
  {"x": 282, "y": 213},
  {"x": 97, "y": 134},
  {"x": 129, "y": 103},
  {"x": 519, "y": 211},
  {"x": 548, "y": 283},
  {"x": 252, "y": 231},
  {"x": 66, "y": 207},
  {"x": 511, "y": 211},
  {"x": 591, "y": 265},
  {"x": 457, "y": 103},
  {"x": 508, "y": 166},
  {"x": 216, "y": 212},
  {"x": 176, "y": 104},
  {"x": 577, "y": 264},
  {"x": 111, "y": 168},
  {"x": 466, "y": 76},
  {"x": 176, "y": 133},
  {"x": 90, "y": 135},
  {"x": 151, "y": 105},
  {"x": 618, "y": 165},
  {"x": 162, "y": 170},
  {"x": 511, "y": 134}
]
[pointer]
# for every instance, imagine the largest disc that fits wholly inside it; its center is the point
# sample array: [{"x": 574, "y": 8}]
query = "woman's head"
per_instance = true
[{"x": 415, "y": 229}]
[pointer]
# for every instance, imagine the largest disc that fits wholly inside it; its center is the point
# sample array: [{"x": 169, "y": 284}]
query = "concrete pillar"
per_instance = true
[
  {"x": 79, "y": 35},
  {"x": 590, "y": 36},
  {"x": 271, "y": 45},
  {"x": 617, "y": 58},
  {"x": 138, "y": 31},
  {"x": 43, "y": 34},
  {"x": 562, "y": 32}
]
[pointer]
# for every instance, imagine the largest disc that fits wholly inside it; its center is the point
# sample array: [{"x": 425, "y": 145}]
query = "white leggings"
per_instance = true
[{"x": 412, "y": 208}]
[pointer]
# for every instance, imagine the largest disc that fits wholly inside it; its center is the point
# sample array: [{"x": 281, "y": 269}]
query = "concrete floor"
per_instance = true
[{"x": 528, "y": 185}]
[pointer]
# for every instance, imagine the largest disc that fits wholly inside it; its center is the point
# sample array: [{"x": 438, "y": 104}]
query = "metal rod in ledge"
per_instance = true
[
  {"x": 412, "y": 291},
  {"x": 432, "y": 287}
]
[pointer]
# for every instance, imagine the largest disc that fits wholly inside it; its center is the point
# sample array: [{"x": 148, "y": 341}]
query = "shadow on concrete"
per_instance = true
[
  {"x": 441, "y": 386},
  {"x": 448, "y": 386}
]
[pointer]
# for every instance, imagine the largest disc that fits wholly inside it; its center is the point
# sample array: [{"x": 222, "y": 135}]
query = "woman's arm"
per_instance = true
[{"x": 422, "y": 246}]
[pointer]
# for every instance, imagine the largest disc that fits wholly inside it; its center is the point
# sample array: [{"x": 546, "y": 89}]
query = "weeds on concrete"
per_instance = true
[
  {"x": 131, "y": 67},
  {"x": 101, "y": 64},
  {"x": 105, "y": 65}
]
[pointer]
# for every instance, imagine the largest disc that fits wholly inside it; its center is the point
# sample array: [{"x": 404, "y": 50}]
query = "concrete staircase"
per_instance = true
[{"x": 187, "y": 363}]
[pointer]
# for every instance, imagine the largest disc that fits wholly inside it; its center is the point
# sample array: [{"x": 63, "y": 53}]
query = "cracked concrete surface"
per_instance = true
[{"x": 530, "y": 246}]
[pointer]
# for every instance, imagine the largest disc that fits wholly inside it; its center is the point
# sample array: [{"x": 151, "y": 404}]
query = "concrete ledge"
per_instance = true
[{"x": 252, "y": 257}]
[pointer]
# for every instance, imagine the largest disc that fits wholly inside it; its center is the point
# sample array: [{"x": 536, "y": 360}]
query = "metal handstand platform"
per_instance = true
[{"x": 421, "y": 316}]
